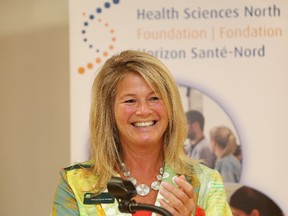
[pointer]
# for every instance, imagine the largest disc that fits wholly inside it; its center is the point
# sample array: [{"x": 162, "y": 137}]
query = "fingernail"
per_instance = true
[{"x": 173, "y": 179}]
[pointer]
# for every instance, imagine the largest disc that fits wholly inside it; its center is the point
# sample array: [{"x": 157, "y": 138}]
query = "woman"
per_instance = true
[
  {"x": 223, "y": 144},
  {"x": 138, "y": 128}
]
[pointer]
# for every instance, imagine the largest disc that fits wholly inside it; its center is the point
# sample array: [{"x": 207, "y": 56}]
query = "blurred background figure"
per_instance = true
[
  {"x": 198, "y": 146},
  {"x": 247, "y": 201},
  {"x": 223, "y": 144},
  {"x": 238, "y": 153}
]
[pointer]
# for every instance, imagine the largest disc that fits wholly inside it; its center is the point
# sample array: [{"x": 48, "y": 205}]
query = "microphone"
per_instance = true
[{"x": 124, "y": 191}]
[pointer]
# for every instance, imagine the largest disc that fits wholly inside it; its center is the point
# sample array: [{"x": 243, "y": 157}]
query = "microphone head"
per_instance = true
[{"x": 121, "y": 188}]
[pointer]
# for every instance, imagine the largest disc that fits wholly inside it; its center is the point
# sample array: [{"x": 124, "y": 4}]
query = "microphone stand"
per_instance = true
[{"x": 123, "y": 191}]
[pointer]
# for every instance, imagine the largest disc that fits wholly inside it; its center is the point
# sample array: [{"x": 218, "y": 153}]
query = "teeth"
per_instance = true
[{"x": 144, "y": 124}]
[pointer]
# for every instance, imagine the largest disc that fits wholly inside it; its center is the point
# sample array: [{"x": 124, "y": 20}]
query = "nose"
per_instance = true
[{"x": 143, "y": 108}]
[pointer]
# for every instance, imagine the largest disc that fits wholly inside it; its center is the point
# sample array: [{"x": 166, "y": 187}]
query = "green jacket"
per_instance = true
[{"x": 73, "y": 198}]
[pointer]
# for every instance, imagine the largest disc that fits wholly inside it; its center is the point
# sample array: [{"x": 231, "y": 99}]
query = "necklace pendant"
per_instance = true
[
  {"x": 165, "y": 175},
  {"x": 126, "y": 173},
  {"x": 155, "y": 185},
  {"x": 142, "y": 189},
  {"x": 159, "y": 177}
]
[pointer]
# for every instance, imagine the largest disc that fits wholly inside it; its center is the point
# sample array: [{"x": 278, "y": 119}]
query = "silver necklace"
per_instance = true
[{"x": 143, "y": 189}]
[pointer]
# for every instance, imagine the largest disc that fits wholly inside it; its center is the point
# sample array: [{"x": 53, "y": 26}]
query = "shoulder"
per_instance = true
[
  {"x": 79, "y": 166},
  {"x": 80, "y": 176},
  {"x": 203, "y": 144},
  {"x": 201, "y": 168},
  {"x": 78, "y": 171},
  {"x": 205, "y": 173},
  {"x": 228, "y": 160},
  {"x": 204, "y": 141}
]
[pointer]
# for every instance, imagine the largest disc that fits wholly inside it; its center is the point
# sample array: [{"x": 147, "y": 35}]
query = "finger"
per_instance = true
[
  {"x": 178, "y": 193},
  {"x": 176, "y": 198},
  {"x": 184, "y": 193},
  {"x": 164, "y": 204},
  {"x": 188, "y": 189},
  {"x": 175, "y": 212},
  {"x": 184, "y": 185}
]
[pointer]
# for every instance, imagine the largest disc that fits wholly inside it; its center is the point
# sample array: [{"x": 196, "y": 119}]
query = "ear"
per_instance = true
[{"x": 255, "y": 212}]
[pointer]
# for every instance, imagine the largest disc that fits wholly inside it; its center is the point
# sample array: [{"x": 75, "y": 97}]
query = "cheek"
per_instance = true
[
  {"x": 123, "y": 113},
  {"x": 160, "y": 109}
]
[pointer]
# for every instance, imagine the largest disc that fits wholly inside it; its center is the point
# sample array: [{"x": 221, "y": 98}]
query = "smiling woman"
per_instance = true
[
  {"x": 141, "y": 116},
  {"x": 138, "y": 128}
]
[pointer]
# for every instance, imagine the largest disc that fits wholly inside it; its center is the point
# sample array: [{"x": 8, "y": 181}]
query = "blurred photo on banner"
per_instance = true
[
  {"x": 245, "y": 201},
  {"x": 229, "y": 59}
]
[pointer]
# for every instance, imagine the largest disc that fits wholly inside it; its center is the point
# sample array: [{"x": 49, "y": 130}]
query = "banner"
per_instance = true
[{"x": 229, "y": 59}]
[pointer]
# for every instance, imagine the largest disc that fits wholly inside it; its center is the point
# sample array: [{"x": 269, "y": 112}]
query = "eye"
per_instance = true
[
  {"x": 130, "y": 101},
  {"x": 154, "y": 98}
]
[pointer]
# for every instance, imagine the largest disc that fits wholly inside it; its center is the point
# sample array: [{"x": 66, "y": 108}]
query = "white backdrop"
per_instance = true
[{"x": 234, "y": 52}]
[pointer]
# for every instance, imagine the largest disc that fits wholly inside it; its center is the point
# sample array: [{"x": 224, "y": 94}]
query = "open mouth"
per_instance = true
[{"x": 144, "y": 124}]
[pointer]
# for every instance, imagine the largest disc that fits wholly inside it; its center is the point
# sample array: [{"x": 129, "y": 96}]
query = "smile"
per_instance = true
[{"x": 144, "y": 124}]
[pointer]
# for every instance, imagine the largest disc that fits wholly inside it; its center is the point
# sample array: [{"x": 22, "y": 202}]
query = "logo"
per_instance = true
[{"x": 98, "y": 36}]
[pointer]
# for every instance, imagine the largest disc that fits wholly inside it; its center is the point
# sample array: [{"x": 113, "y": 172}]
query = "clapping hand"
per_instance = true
[{"x": 178, "y": 200}]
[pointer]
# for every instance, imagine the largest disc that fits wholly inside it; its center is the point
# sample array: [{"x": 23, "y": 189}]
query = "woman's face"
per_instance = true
[{"x": 140, "y": 114}]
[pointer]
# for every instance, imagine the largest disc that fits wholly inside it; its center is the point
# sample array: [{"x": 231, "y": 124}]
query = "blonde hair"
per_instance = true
[
  {"x": 105, "y": 146},
  {"x": 224, "y": 139}
]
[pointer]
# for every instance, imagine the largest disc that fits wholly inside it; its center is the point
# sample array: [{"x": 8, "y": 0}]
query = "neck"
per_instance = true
[
  {"x": 146, "y": 159},
  {"x": 219, "y": 152},
  {"x": 143, "y": 167}
]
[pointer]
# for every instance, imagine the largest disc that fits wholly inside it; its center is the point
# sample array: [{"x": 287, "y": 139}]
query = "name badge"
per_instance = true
[{"x": 99, "y": 199}]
